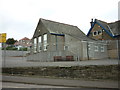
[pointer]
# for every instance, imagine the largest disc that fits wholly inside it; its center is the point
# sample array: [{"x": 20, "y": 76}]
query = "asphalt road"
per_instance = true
[
  {"x": 62, "y": 82},
  {"x": 22, "y": 62}
]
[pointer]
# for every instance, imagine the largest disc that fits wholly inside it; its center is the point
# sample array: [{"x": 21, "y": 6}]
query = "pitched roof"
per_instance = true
[
  {"x": 62, "y": 29},
  {"x": 115, "y": 27},
  {"x": 112, "y": 29},
  {"x": 25, "y": 38}
]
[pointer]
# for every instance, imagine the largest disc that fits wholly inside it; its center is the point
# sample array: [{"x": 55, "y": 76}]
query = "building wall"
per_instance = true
[
  {"x": 97, "y": 50},
  {"x": 73, "y": 45},
  {"x": 113, "y": 49}
]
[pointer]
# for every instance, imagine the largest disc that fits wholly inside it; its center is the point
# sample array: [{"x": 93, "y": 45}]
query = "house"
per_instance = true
[
  {"x": 23, "y": 43},
  {"x": 54, "y": 41},
  {"x": 101, "y": 30},
  {"x": 110, "y": 32}
]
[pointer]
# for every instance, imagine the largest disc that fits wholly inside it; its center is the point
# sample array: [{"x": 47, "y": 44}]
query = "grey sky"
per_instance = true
[{"x": 19, "y": 18}]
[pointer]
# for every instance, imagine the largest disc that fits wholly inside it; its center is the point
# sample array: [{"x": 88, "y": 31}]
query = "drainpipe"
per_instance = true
[
  {"x": 87, "y": 50},
  {"x": 56, "y": 42},
  {"x": 118, "y": 46}
]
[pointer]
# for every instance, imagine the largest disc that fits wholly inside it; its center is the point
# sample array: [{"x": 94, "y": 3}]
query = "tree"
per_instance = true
[{"x": 10, "y": 41}]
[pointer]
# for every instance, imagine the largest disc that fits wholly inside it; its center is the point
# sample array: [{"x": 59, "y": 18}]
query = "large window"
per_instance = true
[
  {"x": 45, "y": 42},
  {"x": 35, "y": 45},
  {"x": 39, "y": 43}
]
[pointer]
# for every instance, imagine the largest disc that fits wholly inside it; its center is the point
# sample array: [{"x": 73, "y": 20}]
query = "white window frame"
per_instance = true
[
  {"x": 96, "y": 33},
  {"x": 100, "y": 32}
]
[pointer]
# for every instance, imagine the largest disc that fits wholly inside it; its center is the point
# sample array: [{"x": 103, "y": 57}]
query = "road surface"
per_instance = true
[{"x": 62, "y": 82}]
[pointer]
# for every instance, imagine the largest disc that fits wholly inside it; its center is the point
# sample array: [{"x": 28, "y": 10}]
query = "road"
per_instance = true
[
  {"x": 62, "y": 82},
  {"x": 21, "y": 85},
  {"x": 22, "y": 62}
]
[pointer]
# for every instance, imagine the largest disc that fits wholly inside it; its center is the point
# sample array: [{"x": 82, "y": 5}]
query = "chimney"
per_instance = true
[{"x": 91, "y": 23}]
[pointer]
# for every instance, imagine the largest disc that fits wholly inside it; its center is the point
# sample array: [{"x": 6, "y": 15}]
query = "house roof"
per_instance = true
[
  {"x": 25, "y": 38},
  {"x": 62, "y": 29},
  {"x": 112, "y": 29}
]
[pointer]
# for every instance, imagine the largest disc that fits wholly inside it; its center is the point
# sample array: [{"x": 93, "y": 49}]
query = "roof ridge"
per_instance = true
[
  {"x": 58, "y": 22},
  {"x": 102, "y": 21},
  {"x": 114, "y": 22}
]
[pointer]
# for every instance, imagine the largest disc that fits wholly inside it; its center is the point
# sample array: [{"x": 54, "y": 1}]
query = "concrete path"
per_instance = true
[
  {"x": 23, "y": 85},
  {"x": 62, "y": 82},
  {"x": 22, "y": 62}
]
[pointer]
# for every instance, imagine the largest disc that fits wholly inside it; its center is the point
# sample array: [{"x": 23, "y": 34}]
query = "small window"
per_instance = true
[
  {"x": 96, "y": 49},
  {"x": 65, "y": 47},
  {"x": 99, "y": 32},
  {"x": 102, "y": 49},
  {"x": 88, "y": 46},
  {"x": 95, "y": 33}
]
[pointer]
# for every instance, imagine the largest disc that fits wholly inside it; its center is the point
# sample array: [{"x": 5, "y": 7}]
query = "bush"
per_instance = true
[
  {"x": 10, "y": 48},
  {"x": 23, "y": 49}
]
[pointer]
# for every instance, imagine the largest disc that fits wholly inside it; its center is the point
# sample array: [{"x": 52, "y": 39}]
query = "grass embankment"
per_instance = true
[{"x": 94, "y": 72}]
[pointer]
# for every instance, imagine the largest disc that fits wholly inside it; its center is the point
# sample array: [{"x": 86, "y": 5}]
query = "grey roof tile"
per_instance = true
[{"x": 61, "y": 28}]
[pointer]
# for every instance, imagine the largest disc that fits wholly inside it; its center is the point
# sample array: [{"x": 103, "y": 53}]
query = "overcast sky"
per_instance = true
[{"x": 19, "y": 18}]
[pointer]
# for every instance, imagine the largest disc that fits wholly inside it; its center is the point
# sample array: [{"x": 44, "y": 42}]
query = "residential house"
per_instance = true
[
  {"x": 110, "y": 32},
  {"x": 54, "y": 41},
  {"x": 23, "y": 43}
]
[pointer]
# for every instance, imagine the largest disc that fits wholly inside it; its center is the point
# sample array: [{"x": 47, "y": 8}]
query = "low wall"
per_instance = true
[
  {"x": 14, "y": 53},
  {"x": 92, "y": 72}
]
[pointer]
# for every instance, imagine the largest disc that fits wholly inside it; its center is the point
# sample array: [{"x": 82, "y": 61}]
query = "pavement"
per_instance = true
[
  {"x": 22, "y": 62},
  {"x": 62, "y": 82},
  {"x": 22, "y": 85}
]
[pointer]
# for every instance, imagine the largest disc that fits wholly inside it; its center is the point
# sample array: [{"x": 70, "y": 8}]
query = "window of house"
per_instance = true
[
  {"x": 39, "y": 43},
  {"x": 96, "y": 48},
  {"x": 88, "y": 46},
  {"x": 65, "y": 47},
  {"x": 35, "y": 45},
  {"x": 45, "y": 42},
  {"x": 102, "y": 49},
  {"x": 95, "y": 33},
  {"x": 99, "y": 32}
]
